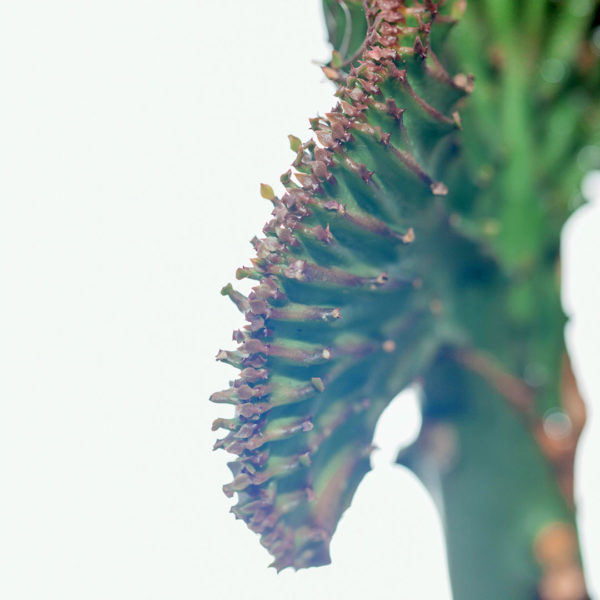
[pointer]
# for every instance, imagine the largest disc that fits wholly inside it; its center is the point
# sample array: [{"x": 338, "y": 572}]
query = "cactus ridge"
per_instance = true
[{"x": 341, "y": 300}]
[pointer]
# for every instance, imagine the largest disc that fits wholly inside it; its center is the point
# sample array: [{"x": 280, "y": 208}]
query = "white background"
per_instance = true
[{"x": 133, "y": 137}]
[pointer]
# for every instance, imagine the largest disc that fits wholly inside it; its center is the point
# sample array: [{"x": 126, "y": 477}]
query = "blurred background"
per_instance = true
[{"x": 133, "y": 138}]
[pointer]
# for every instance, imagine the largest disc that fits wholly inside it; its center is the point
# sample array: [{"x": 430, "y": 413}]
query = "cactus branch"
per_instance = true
[{"x": 417, "y": 239}]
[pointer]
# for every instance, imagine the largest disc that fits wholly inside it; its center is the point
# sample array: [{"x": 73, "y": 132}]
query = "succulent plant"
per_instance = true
[{"x": 418, "y": 240}]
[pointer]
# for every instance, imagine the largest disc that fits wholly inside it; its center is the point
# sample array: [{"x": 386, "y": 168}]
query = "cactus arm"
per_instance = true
[{"x": 344, "y": 315}]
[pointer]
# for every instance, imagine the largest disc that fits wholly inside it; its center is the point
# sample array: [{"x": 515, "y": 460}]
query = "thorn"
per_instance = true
[
  {"x": 432, "y": 7},
  {"x": 286, "y": 178},
  {"x": 266, "y": 191},
  {"x": 244, "y": 392},
  {"x": 325, "y": 138},
  {"x": 336, "y": 59},
  {"x": 319, "y": 169},
  {"x": 314, "y": 123},
  {"x": 249, "y": 410},
  {"x": 295, "y": 143},
  {"x": 464, "y": 82},
  {"x": 382, "y": 278},
  {"x": 389, "y": 346},
  {"x": 221, "y": 423},
  {"x": 254, "y": 346},
  {"x": 365, "y": 174},
  {"x": 330, "y": 73},
  {"x": 439, "y": 189},
  {"x": 236, "y": 297},
  {"x": 247, "y": 273},
  {"x": 304, "y": 459},
  {"x": 224, "y": 397},
  {"x": 253, "y": 375},
  {"x": 419, "y": 49},
  {"x": 393, "y": 110},
  {"x": 351, "y": 110},
  {"x": 296, "y": 270},
  {"x": 335, "y": 206},
  {"x": 338, "y": 132},
  {"x": 318, "y": 384},
  {"x": 323, "y": 235},
  {"x": 232, "y": 358},
  {"x": 409, "y": 236}
]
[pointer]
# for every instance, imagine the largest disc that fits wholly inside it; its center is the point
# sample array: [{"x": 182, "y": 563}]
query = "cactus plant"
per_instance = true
[{"x": 418, "y": 241}]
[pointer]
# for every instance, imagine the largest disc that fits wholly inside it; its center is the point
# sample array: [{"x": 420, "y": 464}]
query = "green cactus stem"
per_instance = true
[{"x": 418, "y": 240}]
